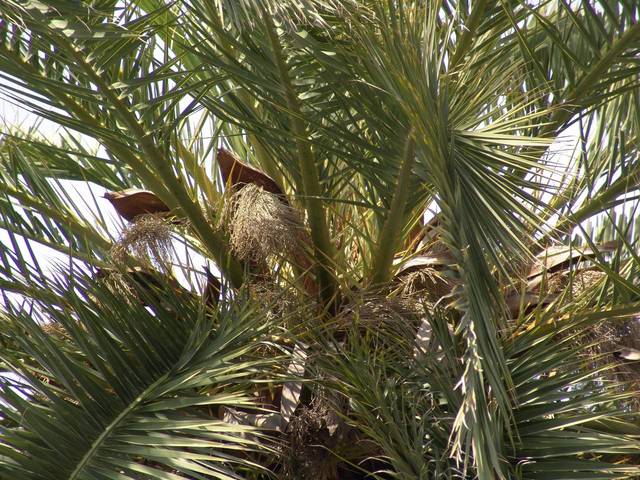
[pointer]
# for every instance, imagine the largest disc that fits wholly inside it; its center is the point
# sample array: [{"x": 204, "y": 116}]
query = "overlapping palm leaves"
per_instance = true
[
  {"x": 366, "y": 114},
  {"x": 101, "y": 384}
]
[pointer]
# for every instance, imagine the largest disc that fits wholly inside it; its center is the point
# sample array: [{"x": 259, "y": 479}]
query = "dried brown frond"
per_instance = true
[
  {"x": 147, "y": 239},
  {"x": 261, "y": 225}
]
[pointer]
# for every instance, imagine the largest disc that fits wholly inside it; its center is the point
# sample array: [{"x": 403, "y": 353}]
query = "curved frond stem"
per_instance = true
[
  {"x": 311, "y": 190},
  {"x": 105, "y": 434},
  {"x": 391, "y": 231}
]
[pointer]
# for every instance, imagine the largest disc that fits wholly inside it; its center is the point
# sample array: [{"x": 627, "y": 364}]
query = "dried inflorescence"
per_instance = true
[
  {"x": 312, "y": 433},
  {"x": 261, "y": 225},
  {"x": 56, "y": 330},
  {"x": 118, "y": 285},
  {"x": 148, "y": 239},
  {"x": 281, "y": 302},
  {"x": 427, "y": 280}
]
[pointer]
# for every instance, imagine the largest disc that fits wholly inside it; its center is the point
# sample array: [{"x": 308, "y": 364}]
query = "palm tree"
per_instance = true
[{"x": 413, "y": 277}]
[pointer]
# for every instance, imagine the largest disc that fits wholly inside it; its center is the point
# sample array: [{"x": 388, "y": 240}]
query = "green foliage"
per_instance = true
[
  {"x": 100, "y": 382},
  {"x": 367, "y": 114}
]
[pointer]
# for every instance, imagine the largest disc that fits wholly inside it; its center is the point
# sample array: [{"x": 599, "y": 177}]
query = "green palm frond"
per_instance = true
[
  {"x": 128, "y": 383},
  {"x": 119, "y": 115},
  {"x": 565, "y": 416},
  {"x": 430, "y": 351}
]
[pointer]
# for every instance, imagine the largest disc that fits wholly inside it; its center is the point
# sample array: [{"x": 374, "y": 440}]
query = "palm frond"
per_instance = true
[{"x": 137, "y": 388}]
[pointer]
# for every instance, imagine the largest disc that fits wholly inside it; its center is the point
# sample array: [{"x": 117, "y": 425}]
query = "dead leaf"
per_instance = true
[
  {"x": 515, "y": 301},
  {"x": 239, "y": 174},
  {"x": 560, "y": 257},
  {"x": 132, "y": 202},
  {"x": 423, "y": 261}
]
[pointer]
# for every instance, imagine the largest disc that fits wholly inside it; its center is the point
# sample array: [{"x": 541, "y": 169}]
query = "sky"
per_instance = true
[{"x": 87, "y": 196}]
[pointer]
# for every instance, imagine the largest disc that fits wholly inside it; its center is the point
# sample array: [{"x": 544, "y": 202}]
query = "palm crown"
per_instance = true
[{"x": 400, "y": 289}]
